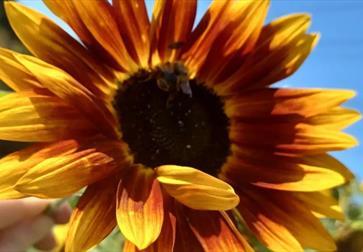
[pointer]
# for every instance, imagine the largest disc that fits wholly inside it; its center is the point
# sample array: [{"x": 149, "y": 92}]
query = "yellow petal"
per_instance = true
[
  {"x": 140, "y": 210},
  {"x": 322, "y": 204},
  {"x": 196, "y": 189},
  {"x": 15, "y": 165},
  {"x": 306, "y": 174},
  {"x": 31, "y": 117},
  {"x": 282, "y": 222},
  {"x": 171, "y": 25},
  {"x": 49, "y": 42},
  {"x": 337, "y": 119},
  {"x": 314, "y": 140},
  {"x": 166, "y": 239},
  {"x": 87, "y": 164},
  {"x": 268, "y": 102},
  {"x": 268, "y": 230},
  {"x": 14, "y": 74},
  {"x": 286, "y": 28},
  {"x": 94, "y": 216},
  {"x": 66, "y": 87},
  {"x": 293, "y": 138}
]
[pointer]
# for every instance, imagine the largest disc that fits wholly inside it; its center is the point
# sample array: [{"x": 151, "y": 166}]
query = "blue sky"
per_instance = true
[{"x": 337, "y": 61}]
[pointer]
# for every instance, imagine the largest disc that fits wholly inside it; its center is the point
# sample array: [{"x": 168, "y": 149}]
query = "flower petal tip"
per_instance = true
[{"x": 196, "y": 189}]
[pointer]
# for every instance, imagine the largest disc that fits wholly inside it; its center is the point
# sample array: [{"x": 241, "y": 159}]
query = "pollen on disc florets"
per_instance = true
[{"x": 167, "y": 118}]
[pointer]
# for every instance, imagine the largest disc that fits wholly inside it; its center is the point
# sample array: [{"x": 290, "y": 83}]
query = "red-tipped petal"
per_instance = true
[{"x": 140, "y": 210}]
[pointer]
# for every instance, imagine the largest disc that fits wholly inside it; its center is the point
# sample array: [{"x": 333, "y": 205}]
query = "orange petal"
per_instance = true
[
  {"x": 99, "y": 19},
  {"x": 83, "y": 166},
  {"x": 225, "y": 28},
  {"x": 165, "y": 241},
  {"x": 280, "y": 50},
  {"x": 129, "y": 247},
  {"x": 171, "y": 26},
  {"x": 216, "y": 232},
  {"x": 296, "y": 103},
  {"x": 282, "y": 222},
  {"x": 66, "y": 10},
  {"x": 284, "y": 29},
  {"x": 15, "y": 165},
  {"x": 140, "y": 211},
  {"x": 238, "y": 37},
  {"x": 185, "y": 239},
  {"x": 336, "y": 119},
  {"x": 196, "y": 189},
  {"x": 14, "y": 74},
  {"x": 31, "y": 117},
  {"x": 315, "y": 140},
  {"x": 290, "y": 138},
  {"x": 296, "y": 56},
  {"x": 49, "y": 42},
  {"x": 308, "y": 173},
  {"x": 94, "y": 217},
  {"x": 205, "y": 33},
  {"x": 66, "y": 87},
  {"x": 132, "y": 17}
]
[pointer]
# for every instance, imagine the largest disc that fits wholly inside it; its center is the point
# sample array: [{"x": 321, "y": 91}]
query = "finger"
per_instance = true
[
  {"x": 62, "y": 214},
  {"x": 47, "y": 243},
  {"x": 12, "y": 211},
  {"x": 24, "y": 234}
]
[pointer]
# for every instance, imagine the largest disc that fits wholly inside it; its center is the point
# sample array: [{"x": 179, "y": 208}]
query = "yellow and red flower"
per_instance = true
[{"x": 175, "y": 131}]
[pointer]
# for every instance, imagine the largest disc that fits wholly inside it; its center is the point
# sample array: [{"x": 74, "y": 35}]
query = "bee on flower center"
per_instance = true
[{"x": 174, "y": 79}]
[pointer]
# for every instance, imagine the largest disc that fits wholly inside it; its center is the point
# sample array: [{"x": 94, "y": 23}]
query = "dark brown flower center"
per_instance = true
[{"x": 168, "y": 119}]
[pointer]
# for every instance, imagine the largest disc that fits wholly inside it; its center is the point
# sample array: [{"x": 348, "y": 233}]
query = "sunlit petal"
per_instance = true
[
  {"x": 196, "y": 189},
  {"x": 140, "y": 212},
  {"x": 86, "y": 164},
  {"x": 94, "y": 216},
  {"x": 30, "y": 117}
]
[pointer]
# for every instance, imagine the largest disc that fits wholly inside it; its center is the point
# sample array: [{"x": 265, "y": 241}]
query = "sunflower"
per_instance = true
[{"x": 175, "y": 132}]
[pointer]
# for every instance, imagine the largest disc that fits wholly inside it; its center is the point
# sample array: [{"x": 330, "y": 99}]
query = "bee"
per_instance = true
[
  {"x": 176, "y": 45},
  {"x": 173, "y": 78}
]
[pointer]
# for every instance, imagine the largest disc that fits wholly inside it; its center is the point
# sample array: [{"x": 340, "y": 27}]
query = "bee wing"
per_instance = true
[{"x": 185, "y": 87}]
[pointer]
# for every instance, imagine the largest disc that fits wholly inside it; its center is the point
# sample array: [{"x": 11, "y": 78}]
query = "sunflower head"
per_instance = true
[
  {"x": 175, "y": 132},
  {"x": 167, "y": 118}
]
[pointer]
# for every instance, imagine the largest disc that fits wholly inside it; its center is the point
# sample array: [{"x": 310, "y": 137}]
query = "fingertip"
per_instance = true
[
  {"x": 42, "y": 224},
  {"x": 46, "y": 243},
  {"x": 62, "y": 214},
  {"x": 26, "y": 233},
  {"x": 13, "y": 211}
]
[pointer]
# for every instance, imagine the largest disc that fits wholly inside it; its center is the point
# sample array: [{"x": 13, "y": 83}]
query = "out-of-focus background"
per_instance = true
[{"x": 337, "y": 62}]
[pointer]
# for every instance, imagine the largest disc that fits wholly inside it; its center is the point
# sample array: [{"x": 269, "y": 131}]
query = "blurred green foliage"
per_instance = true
[
  {"x": 8, "y": 38},
  {"x": 349, "y": 234}
]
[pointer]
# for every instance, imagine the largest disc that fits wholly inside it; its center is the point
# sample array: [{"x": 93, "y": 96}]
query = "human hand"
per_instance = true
[{"x": 24, "y": 223}]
